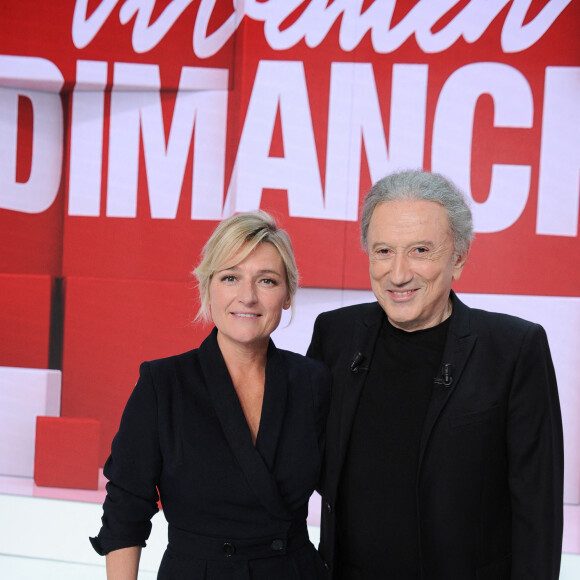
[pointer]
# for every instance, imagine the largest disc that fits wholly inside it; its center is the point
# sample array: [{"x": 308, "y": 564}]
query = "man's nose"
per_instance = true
[{"x": 401, "y": 270}]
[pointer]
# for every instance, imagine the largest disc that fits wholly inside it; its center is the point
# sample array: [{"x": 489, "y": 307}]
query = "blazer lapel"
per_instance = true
[
  {"x": 458, "y": 347},
  {"x": 362, "y": 345},
  {"x": 273, "y": 406},
  {"x": 236, "y": 430}
]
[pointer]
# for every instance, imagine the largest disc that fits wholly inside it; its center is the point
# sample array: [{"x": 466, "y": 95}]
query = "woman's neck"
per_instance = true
[{"x": 243, "y": 359}]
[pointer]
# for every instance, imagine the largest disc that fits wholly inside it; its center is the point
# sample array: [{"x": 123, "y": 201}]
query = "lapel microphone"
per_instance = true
[
  {"x": 356, "y": 361},
  {"x": 446, "y": 375}
]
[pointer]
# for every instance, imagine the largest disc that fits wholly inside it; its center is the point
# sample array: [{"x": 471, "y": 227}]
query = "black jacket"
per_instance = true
[
  {"x": 490, "y": 470},
  {"x": 233, "y": 509}
]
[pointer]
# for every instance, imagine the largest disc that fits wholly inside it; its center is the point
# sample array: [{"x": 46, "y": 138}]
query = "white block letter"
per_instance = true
[
  {"x": 38, "y": 193},
  {"x": 278, "y": 84},
  {"x": 354, "y": 116},
  {"x": 558, "y": 190},
  {"x": 86, "y": 149},
  {"x": 139, "y": 112},
  {"x": 453, "y": 131}
]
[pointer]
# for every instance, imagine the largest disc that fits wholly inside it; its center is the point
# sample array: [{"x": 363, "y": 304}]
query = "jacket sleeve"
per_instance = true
[
  {"x": 536, "y": 462},
  {"x": 322, "y": 382},
  {"x": 315, "y": 348},
  {"x": 133, "y": 470},
  {"x": 315, "y": 352}
]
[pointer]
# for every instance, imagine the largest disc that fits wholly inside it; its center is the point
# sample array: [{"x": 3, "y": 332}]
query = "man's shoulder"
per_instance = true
[
  {"x": 499, "y": 324},
  {"x": 349, "y": 313}
]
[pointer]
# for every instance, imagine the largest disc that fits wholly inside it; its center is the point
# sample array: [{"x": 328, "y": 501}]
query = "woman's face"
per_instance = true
[{"x": 247, "y": 300}]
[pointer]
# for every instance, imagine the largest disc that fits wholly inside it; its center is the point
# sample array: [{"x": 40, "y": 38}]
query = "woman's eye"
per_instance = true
[
  {"x": 269, "y": 282},
  {"x": 228, "y": 278}
]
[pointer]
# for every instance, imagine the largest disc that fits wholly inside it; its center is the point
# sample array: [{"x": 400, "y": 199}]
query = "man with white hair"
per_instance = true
[{"x": 444, "y": 454}]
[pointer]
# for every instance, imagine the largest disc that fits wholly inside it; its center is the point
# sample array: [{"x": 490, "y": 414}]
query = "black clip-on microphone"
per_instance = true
[
  {"x": 446, "y": 373},
  {"x": 356, "y": 361}
]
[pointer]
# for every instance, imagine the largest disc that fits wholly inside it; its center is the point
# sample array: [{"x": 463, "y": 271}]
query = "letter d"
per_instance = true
[{"x": 30, "y": 77}]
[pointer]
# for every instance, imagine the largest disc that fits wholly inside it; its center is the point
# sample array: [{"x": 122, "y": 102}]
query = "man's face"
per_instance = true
[{"x": 412, "y": 262}]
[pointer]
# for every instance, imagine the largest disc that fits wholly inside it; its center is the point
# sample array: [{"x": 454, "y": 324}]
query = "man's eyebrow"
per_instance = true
[{"x": 429, "y": 243}]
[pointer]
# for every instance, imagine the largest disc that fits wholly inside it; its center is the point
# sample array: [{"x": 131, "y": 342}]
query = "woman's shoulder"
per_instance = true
[
  {"x": 307, "y": 371},
  {"x": 170, "y": 365},
  {"x": 313, "y": 379},
  {"x": 297, "y": 360},
  {"x": 172, "y": 360}
]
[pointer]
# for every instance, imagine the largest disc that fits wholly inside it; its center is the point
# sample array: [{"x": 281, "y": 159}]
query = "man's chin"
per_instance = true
[{"x": 402, "y": 322}]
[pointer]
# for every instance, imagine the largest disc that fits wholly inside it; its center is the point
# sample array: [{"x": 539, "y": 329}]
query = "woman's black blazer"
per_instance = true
[{"x": 183, "y": 433}]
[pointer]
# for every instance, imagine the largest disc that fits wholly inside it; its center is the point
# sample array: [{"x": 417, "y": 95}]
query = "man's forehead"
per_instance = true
[{"x": 424, "y": 220}]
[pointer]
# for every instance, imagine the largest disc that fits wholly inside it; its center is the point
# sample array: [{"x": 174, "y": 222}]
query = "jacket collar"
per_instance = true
[
  {"x": 362, "y": 344},
  {"x": 458, "y": 346},
  {"x": 255, "y": 461}
]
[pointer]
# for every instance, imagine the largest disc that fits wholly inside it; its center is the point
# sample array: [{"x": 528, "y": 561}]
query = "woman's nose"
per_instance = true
[{"x": 247, "y": 293}]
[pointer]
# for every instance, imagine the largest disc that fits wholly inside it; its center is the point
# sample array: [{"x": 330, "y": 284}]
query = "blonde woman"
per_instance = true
[{"x": 229, "y": 436}]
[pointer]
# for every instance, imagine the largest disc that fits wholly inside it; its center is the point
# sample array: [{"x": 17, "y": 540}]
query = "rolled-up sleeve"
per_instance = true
[{"x": 133, "y": 470}]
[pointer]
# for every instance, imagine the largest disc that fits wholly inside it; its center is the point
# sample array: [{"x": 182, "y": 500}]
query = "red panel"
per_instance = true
[
  {"x": 32, "y": 243},
  {"x": 133, "y": 248},
  {"x": 25, "y": 320},
  {"x": 111, "y": 326},
  {"x": 67, "y": 453},
  {"x": 39, "y": 28}
]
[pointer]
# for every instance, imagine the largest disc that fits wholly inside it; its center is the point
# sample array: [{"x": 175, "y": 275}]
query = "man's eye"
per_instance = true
[{"x": 421, "y": 250}]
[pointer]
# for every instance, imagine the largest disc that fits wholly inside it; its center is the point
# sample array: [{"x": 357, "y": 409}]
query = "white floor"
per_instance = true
[{"x": 15, "y": 568}]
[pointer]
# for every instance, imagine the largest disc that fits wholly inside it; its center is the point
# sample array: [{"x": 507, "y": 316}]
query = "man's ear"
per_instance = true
[{"x": 459, "y": 263}]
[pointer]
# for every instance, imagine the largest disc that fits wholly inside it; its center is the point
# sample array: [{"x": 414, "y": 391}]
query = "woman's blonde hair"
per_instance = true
[{"x": 232, "y": 241}]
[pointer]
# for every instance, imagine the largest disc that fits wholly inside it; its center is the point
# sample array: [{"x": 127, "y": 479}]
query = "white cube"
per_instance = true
[{"x": 24, "y": 394}]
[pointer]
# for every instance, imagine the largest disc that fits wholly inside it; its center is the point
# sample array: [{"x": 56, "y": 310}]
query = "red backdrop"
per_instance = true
[{"x": 128, "y": 135}]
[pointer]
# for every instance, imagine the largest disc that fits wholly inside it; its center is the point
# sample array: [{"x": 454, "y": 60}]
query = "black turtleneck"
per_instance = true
[{"x": 377, "y": 510}]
